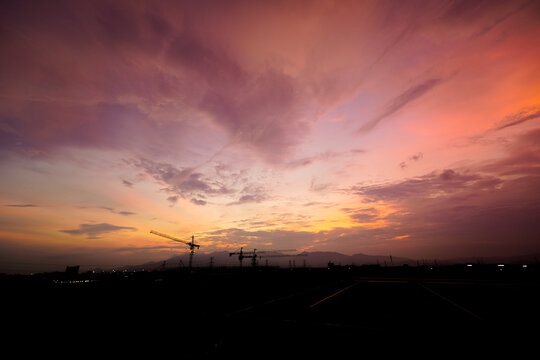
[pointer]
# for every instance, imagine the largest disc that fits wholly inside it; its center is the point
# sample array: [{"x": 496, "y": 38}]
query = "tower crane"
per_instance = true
[
  {"x": 241, "y": 255},
  {"x": 254, "y": 255},
  {"x": 191, "y": 244}
]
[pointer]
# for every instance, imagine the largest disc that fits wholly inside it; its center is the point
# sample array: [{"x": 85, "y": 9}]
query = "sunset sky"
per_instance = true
[{"x": 409, "y": 128}]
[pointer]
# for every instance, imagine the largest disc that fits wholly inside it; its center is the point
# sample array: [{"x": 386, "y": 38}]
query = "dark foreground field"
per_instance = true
[{"x": 273, "y": 313}]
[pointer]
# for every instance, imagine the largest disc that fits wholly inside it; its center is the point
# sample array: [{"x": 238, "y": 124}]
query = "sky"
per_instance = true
[{"x": 409, "y": 128}]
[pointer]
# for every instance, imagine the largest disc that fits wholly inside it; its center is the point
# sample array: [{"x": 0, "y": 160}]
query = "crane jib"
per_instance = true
[{"x": 191, "y": 244}]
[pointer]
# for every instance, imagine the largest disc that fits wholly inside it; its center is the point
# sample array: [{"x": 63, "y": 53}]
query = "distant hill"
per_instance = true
[
  {"x": 318, "y": 259},
  {"x": 321, "y": 259},
  {"x": 304, "y": 259}
]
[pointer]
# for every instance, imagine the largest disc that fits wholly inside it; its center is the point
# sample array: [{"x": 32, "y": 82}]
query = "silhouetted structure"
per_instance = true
[
  {"x": 72, "y": 270},
  {"x": 191, "y": 244},
  {"x": 254, "y": 255}
]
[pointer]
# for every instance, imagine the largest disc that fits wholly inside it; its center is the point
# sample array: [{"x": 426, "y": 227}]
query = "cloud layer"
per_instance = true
[{"x": 384, "y": 126}]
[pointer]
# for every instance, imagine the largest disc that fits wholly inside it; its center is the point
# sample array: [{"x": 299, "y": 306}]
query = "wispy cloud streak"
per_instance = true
[
  {"x": 400, "y": 101},
  {"x": 22, "y": 205}
]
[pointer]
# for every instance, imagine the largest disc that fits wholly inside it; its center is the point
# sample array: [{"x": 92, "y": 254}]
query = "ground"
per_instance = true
[{"x": 212, "y": 313}]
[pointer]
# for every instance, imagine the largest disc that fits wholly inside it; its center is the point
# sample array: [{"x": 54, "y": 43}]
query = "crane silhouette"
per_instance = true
[
  {"x": 254, "y": 255},
  {"x": 191, "y": 243}
]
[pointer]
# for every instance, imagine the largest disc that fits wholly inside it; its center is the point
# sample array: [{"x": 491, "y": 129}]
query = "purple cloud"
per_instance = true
[
  {"x": 173, "y": 199},
  {"x": 523, "y": 158},
  {"x": 492, "y": 209},
  {"x": 183, "y": 182},
  {"x": 120, "y": 212},
  {"x": 436, "y": 183},
  {"x": 520, "y": 117},
  {"x": 132, "y": 98},
  {"x": 95, "y": 231},
  {"x": 198, "y": 202},
  {"x": 362, "y": 215},
  {"x": 416, "y": 157},
  {"x": 249, "y": 198}
]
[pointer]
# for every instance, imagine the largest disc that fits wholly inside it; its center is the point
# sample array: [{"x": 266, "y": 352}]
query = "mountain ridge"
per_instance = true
[{"x": 319, "y": 259}]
